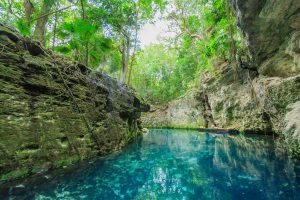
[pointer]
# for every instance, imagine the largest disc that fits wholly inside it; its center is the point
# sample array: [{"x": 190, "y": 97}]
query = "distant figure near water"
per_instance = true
[{"x": 206, "y": 109}]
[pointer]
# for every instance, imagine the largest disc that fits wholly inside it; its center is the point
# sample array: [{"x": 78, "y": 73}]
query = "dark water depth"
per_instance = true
[{"x": 176, "y": 164}]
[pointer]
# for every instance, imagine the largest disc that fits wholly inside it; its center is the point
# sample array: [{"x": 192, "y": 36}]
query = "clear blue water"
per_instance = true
[{"x": 177, "y": 164}]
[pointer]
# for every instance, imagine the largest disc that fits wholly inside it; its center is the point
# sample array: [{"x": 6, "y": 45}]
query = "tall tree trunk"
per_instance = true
[
  {"x": 86, "y": 56},
  {"x": 82, "y": 9},
  {"x": 29, "y": 9},
  {"x": 123, "y": 71},
  {"x": 40, "y": 27},
  {"x": 135, "y": 44},
  {"x": 87, "y": 51},
  {"x": 130, "y": 70},
  {"x": 125, "y": 59},
  {"x": 54, "y": 31}
]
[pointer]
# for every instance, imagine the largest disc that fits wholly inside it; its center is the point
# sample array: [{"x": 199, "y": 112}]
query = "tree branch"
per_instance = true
[{"x": 50, "y": 13}]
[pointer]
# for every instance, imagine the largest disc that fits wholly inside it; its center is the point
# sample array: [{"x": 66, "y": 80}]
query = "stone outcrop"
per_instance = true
[
  {"x": 181, "y": 113},
  {"x": 262, "y": 94},
  {"x": 54, "y": 111},
  {"x": 256, "y": 106},
  {"x": 272, "y": 32}
]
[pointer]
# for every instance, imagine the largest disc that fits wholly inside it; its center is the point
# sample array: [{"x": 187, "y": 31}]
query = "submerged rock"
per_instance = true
[{"x": 54, "y": 111}]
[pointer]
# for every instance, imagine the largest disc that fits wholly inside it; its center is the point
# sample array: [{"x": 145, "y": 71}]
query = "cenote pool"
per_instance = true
[{"x": 176, "y": 164}]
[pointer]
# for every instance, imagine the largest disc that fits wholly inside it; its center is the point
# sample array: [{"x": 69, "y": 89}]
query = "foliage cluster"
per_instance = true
[
  {"x": 90, "y": 31},
  {"x": 104, "y": 36},
  {"x": 205, "y": 32}
]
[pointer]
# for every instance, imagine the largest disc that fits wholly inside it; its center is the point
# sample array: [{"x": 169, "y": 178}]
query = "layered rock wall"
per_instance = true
[{"x": 54, "y": 111}]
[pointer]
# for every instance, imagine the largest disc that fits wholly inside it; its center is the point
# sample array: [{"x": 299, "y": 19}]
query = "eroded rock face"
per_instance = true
[
  {"x": 181, "y": 113},
  {"x": 271, "y": 28},
  {"x": 54, "y": 112},
  {"x": 258, "y": 106}
]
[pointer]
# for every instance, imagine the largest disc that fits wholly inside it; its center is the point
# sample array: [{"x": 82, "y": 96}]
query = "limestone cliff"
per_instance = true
[
  {"x": 262, "y": 94},
  {"x": 271, "y": 29},
  {"x": 180, "y": 113},
  {"x": 54, "y": 111}
]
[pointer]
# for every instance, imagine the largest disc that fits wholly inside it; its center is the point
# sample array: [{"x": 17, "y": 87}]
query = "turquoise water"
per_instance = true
[{"x": 177, "y": 164}]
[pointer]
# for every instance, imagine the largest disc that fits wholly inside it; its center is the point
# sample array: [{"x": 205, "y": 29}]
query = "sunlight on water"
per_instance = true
[{"x": 178, "y": 164}]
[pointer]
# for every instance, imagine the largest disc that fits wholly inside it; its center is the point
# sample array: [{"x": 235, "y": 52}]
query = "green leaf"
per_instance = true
[{"x": 23, "y": 27}]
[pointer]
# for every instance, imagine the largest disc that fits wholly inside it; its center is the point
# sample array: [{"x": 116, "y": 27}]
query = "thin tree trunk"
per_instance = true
[
  {"x": 40, "y": 27},
  {"x": 122, "y": 75},
  {"x": 127, "y": 55},
  {"x": 86, "y": 57},
  {"x": 82, "y": 9},
  {"x": 131, "y": 66},
  {"x": 130, "y": 71},
  {"x": 125, "y": 59},
  {"x": 131, "y": 63},
  {"x": 135, "y": 44},
  {"x": 28, "y": 8},
  {"x": 54, "y": 31},
  {"x": 87, "y": 52}
]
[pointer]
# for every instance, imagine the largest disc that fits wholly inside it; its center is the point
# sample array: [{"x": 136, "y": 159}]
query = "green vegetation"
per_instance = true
[
  {"x": 104, "y": 35},
  {"x": 97, "y": 33},
  {"x": 15, "y": 174},
  {"x": 153, "y": 73},
  {"x": 205, "y": 34},
  {"x": 66, "y": 162}
]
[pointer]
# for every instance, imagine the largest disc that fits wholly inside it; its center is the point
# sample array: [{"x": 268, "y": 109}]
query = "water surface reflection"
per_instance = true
[{"x": 177, "y": 164}]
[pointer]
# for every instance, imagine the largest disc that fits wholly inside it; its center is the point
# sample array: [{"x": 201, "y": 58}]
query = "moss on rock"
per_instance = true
[{"x": 55, "y": 112}]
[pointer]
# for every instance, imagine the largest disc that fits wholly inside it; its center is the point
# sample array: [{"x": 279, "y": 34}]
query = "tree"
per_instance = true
[
  {"x": 120, "y": 16},
  {"x": 40, "y": 26},
  {"x": 204, "y": 33},
  {"x": 125, "y": 18},
  {"x": 88, "y": 32},
  {"x": 152, "y": 74},
  {"x": 28, "y": 9}
]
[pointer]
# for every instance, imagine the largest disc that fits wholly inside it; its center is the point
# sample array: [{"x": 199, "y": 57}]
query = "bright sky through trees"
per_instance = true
[{"x": 152, "y": 33}]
